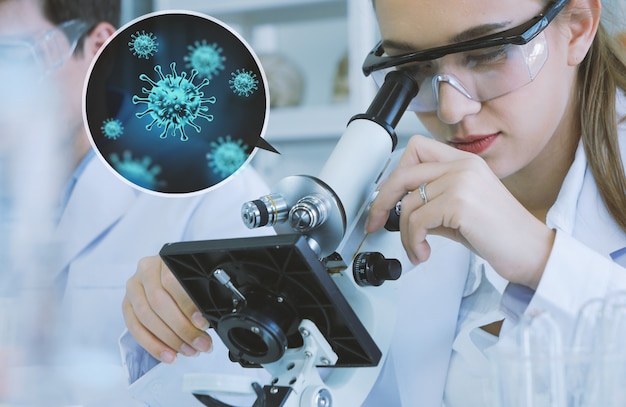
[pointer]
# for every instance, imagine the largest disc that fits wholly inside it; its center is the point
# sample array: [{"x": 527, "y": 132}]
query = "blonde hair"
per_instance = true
[{"x": 601, "y": 73}]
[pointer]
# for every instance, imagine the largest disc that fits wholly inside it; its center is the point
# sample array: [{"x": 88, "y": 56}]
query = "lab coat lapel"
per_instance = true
[
  {"x": 429, "y": 308},
  {"x": 99, "y": 199}
]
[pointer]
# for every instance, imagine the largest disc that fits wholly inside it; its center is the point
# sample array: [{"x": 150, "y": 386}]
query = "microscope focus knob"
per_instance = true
[{"x": 373, "y": 269}]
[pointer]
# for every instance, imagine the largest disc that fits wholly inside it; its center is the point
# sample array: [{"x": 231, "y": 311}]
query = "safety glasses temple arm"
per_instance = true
[{"x": 519, "y": 35}]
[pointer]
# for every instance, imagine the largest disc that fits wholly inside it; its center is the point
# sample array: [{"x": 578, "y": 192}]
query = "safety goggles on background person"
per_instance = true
[
  {"x": 47, "y": 51},
  {"x": 481, "y": 69}
]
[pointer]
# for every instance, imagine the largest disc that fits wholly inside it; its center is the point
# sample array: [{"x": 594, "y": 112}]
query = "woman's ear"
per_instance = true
[
  {"x": 584, "y": 18},
  {"x": 96, "y": 38}
]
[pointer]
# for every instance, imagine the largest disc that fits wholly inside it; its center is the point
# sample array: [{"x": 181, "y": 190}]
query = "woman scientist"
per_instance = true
[{"x": 524, "y": 180}]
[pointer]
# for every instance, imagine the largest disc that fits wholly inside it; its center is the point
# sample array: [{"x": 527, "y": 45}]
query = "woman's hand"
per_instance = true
[
  {"x": 466, "y": 202},
  {"x": 160, "y": 315}
]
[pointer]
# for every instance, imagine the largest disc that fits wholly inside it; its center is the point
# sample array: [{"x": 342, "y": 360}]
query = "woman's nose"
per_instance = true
[{"x": 454, "y": 103}]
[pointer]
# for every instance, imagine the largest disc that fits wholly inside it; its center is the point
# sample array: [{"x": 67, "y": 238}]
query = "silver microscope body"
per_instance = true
[
  {"x": 326, "y": 207},
  {"x": 319, "y": 222}
]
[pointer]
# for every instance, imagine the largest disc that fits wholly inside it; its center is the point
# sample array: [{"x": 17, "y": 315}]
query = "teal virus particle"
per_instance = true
[
  {"x": 140, "y": 172},
  {"x": 226, "y": 156},
  {"x": 143, "y": 45},
  {"x": 205, "y": 58},
  {"x": 243, "y": 83},
  {"x": 174, "y": 101},
  {"x": 112, "y": 128}
]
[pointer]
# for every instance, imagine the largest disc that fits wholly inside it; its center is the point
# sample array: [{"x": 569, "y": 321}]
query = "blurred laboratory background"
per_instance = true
[{"x": 311, "y": 52}]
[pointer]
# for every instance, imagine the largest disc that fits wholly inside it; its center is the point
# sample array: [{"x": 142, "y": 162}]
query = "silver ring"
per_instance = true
[{"x": 422, "y": 190}]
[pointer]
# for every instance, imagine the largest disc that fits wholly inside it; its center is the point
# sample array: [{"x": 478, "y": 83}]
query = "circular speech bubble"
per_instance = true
[{"x": 176, "y": 102}]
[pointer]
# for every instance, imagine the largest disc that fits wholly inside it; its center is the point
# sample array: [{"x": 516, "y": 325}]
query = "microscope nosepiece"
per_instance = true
[
  {"x": 265, "y": 211},
  {"x": 308, "y": 213}
]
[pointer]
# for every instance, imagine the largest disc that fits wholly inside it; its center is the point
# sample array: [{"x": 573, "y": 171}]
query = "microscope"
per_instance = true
[{"x": 307, "y": 304}]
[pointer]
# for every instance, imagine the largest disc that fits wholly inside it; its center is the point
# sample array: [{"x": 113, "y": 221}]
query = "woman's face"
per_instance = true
[{"x": 523, "y": 128}]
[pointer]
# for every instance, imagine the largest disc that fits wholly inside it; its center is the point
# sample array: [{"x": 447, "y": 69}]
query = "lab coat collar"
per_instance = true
[
  {"x": 562, "y": 215},
  {"x": 579, "y": 196}
]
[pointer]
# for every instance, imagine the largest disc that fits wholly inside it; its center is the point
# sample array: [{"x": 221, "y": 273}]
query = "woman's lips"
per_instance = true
[{"x": 474, "y": 144}]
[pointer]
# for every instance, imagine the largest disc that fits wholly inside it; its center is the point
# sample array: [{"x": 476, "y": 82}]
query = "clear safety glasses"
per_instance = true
[
  {"x": 481, "y": 69},
  {"x": 46, "y": 51}
]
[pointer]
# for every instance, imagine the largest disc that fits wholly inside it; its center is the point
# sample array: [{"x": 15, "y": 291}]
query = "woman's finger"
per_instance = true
[
  {"x": 152, "y": 344},
  {"x": 163, "y": 315}
]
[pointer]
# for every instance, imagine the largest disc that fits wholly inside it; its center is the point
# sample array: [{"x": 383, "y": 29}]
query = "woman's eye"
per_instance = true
[
  {"x": 487, "y": 56},
  {"x": 419, "y": 70}
]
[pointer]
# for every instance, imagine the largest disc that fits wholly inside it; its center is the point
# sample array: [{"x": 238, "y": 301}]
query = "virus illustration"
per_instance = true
[
  {"x": 143, "y": 45},
  {"x": 139, "y": 172},
  {"x": 204, "y": 58},
  {"x": 226, "y": 156},
  {"x": 112, "y": 128},
  {"x": 174, "y": 101},
  {"x": 243, "y": 83}
]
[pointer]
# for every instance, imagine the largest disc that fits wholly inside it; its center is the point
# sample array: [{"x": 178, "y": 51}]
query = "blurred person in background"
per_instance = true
[{"x": 96, "y": 225}]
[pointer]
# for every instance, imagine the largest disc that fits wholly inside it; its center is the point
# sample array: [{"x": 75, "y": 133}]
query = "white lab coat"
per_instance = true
[
  {"x": 579, "y": 269},
  {"x": 415, "y": 371},
  {"x": 106, "y": 227},
  {"x": 588, "y": 261}
]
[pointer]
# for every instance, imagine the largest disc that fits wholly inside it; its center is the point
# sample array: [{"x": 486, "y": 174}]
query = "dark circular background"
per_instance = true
[{"x": 114, "y": 80}]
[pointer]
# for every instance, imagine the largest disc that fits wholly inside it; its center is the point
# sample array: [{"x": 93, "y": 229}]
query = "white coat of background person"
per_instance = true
[
  {"x": 524, "y": 216},
  {"x": 104, "y": 228},
  {"x": 105, "y": 240}
]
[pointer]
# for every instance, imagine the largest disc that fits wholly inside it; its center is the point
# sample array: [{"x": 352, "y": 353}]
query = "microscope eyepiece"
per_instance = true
[{"x": 391, "y": 102}]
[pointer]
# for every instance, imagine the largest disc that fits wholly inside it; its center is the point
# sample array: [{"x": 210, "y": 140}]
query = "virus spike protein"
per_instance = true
[
  {"x": 143, "y": 45},
  {"x": 112, "y": 128},
  {"x": 205, "y": 58},
  {"x": 174, "y": 101},
  {"x": 227, "y": 156},
  {"x": 243, "y": 83},
  {"x": 138, "y": 171}
]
